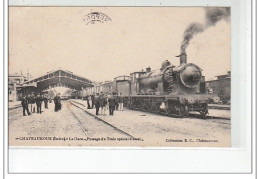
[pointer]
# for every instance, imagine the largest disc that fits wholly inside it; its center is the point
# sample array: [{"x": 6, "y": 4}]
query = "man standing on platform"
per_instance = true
[
  {"x": 117, "y": 101},
  {"x": 87, "y": 97},
  {"x": 112, "y": 104},
  {"x": 103, "y": 102},
  {"x": 25, "y": 106},
  {"x": 57, "y": 102},
  {"x": 29, "y": 103},
  {"x": 38, "y": 101},
  {"x": 33, "y": 106},
  {"x": 45, "y": 99},
  {"x": 120, "y": 102},
  {"x": 93, "y": 100},
  {"x": 97, "y": 103}
]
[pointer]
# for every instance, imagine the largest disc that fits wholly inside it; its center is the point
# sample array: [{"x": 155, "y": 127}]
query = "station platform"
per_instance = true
[
  {"x": 219, "y": 106},
  {"x": 150, "y": 126},
  {"x": 14, "y": 104},
  {"x": 217, "y": 110}
]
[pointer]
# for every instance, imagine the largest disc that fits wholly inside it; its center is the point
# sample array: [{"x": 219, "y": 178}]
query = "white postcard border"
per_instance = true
[{"x": 156, "y": 160}]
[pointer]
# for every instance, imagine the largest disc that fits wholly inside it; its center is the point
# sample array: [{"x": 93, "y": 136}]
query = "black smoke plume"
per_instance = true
[
  {"x": 190, "y": 31},
  {"x": 212, "y": 15}
]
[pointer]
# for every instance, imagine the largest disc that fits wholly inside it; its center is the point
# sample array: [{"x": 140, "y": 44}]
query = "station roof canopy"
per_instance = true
[{"x": 61, "y": 78}]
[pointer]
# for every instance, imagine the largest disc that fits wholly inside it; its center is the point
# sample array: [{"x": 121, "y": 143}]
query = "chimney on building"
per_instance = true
[{"x": 148, "y": 69}]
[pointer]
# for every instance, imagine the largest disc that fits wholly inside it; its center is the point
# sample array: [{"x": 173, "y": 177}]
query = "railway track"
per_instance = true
[
  {"x": 171, "y": 115},
  {"x": 97, "y": 119},
  {"x": 177, "y": 116},
  {"x": 80, "y": 124}
]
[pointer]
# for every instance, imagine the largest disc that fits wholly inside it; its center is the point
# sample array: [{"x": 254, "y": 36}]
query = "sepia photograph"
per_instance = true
[{"x": 119, "y": 76}]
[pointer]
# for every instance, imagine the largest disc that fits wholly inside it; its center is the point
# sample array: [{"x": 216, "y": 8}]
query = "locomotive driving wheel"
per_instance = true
[
  {"x": 157, "y": 108},
  {"x": 183, "y": 110},
  {"x": 204, "y": 113},
  {"x": 169, "y": 108},
  {"x": 149, "y": 107},
  {"x": 186, "y": 110}
]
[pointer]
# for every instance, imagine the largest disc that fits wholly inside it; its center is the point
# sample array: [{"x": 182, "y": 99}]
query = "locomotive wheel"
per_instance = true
[
  {"x": 149, "y": 107},
  {"x": 157, "y": 108},
  {"x": 181, "y": 111},
  {"x": 167, "y": 111},
  {"x": 186, "y": 110},
  {"x": 204, "y": 114},
  {"x": 142, "y": 107},
  {"x": 170, "y": 108}
]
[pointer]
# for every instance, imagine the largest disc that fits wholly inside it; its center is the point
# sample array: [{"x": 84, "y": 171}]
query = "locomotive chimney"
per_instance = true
[
  {"x": 148, "y": 69},
  {"x": 183, "y": 58}
]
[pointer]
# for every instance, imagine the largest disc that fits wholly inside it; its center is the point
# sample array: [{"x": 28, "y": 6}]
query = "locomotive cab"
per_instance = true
[{"x": 135, "y": 77}]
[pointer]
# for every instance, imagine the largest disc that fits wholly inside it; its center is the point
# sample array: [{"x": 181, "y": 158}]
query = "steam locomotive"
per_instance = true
[{"x": 175, "y": 90}]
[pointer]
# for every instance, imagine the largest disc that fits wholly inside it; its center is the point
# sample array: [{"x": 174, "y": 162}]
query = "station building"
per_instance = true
[{"x": 221, "y": 86}]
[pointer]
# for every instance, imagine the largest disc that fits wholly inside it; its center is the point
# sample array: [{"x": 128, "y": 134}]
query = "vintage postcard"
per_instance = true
[{"x": 119, "y": 76}]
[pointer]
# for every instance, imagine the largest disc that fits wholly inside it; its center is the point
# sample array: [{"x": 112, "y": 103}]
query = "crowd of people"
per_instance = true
[
  {"x": 104, "y": 102},
  {"x": 32, "y": 104},
  {"x": 100, "y": 101}
]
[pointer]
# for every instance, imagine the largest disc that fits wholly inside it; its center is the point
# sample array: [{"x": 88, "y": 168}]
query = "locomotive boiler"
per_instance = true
[
  {"x": 171, "y": 89},
  {"x": 169, "y": 79}
]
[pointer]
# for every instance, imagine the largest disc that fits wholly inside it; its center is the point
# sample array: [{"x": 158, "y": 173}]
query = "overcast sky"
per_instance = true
[{"x": 42, "y": 39}]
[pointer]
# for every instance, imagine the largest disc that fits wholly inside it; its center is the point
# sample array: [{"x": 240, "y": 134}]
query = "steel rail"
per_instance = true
[{"x": 101, "y": 120}]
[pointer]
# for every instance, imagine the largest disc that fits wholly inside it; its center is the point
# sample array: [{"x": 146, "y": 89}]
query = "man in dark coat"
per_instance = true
[
  {"x": 102, "y": 102},
  {"x": 33, "y": 103},
  {"x": 117, "y": 101},
  {"x": 120, "y": 102},
  {"x": 45, "y": 99},
  {"x": 25, "y": 105},
  {"x": 87, "y": 97},
  {"x": 57, "y": 102},
  {"x": 38, "y": 101},
  {"x": 97, "y": 103},
  {"x": 112, "y": 104},
  {"x": 92, "y": 100},
  {"x": 30, "y": 103}
]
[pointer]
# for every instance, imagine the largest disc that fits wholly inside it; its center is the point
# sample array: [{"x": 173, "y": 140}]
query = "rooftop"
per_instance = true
[{"x": 16, "y": 75}]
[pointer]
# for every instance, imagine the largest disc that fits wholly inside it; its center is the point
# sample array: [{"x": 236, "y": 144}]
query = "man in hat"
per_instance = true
[
  {"x": 93, "y": 100},
  {"x": 117, "y": 101},
  {"x": 57, "y": 102},
  {"x": 29, "y": 103},
  {"x": 103, "y": 103},
  {"x": 120, "y": 102},
  {"x": 38, "y": 101},
  {"x": 33, "y": 104},
  {"x": 112, "y": 104},
  {"x": 45, "y": 99},
  {"x": 87, "y": 97},
  {"x": 25, "y": 105},
  {"x": 97, "y": 103}
]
